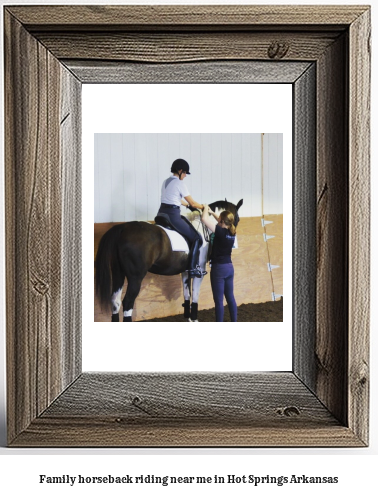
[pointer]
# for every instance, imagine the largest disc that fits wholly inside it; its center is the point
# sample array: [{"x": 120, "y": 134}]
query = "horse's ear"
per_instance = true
[
  {"x": 239, "y": 204},
  {"x": 225, "y": 199}
]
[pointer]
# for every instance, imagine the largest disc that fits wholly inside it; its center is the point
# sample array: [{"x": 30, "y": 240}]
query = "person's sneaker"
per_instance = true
[{"x": 197, "y": 272}]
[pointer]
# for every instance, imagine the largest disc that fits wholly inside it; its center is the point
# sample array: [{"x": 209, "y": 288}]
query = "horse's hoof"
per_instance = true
[{"x": 193, "y": 320}]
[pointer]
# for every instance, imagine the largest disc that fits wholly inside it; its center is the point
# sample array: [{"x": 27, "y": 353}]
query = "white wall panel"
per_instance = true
[
  {"x": 226, "y": 165},
  {"x": 96, "y": 194},
  {"x": 141, "y": 174},
  {"x": 256, "y": 176},
  {"x": 117, "y": 172},
  {"x": 204, "y": 187},
  {"x": 236, "y": 167},
  {"x": 163, "y": 161},
  {"x": 195, "y": 185},
  {"x": 129, "y": 180},
  {"x": 104, "y": 177},
  {"x": 185, "y": 151},
  {"x": 246, "y": 173},
  {"x": 153, "y": 191},
  {"x": 279, "y": 161},
  {"x": 216, "y": 169},
  {"x": 129, "y": 170},
  {"x": 273, "y": 174}
]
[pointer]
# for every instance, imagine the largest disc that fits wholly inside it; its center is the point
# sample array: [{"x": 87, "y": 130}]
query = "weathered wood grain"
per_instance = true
[
  {"x": 33, "y": 226},
  {"x": 41, "y": 358},
  {"x": 359, "y": 227},
  {"x": 94, "y": 432},
  {"x": 304, "y": 227},
  {"x": 203, "y": 72},
  {"x": 196, "y": 409},
  {"x": 184, "y": 16},
  {"x": 71, "y": 189},
  {"x": 137, "y": 396},
  {"x": 181, "y": 47},
  {"x": 332, "y": 230}
]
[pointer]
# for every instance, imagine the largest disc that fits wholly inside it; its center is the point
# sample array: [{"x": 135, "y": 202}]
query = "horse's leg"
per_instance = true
[
  {"x": 196, "y": 290},
  {"x": 186, "y": 288},
  {"x": 116, "y": 304},
  {"x": 133, "y": 289},
  {"x": 118, "y": 279},
  {"x": 197, "y": 284}
]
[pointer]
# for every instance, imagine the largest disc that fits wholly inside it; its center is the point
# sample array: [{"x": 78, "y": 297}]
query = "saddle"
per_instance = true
[{"x": 164, "y": 221}]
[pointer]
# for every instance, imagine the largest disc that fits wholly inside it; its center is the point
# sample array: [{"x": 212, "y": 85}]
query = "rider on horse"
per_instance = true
[{"x": 173, "y": 192}]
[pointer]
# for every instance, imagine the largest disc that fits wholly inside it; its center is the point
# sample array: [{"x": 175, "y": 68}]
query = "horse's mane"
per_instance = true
[
  {"x": 221, "y": 205},
  {"x": 192, "y": 216},
  {"x": 224, "y": 204}
]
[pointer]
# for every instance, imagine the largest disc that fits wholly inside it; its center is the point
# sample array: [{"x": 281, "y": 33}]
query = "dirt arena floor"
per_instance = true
[{"x": 266, "y": 311}]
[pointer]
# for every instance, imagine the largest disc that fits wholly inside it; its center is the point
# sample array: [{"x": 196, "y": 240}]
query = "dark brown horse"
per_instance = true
[{"x": 132, "y": 249}]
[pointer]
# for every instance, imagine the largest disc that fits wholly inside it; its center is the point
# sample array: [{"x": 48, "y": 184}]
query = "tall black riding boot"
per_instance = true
[{"x": 194, "y": 269}]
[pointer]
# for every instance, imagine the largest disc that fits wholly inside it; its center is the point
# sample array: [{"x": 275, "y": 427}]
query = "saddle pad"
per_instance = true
[{"x": 178, "y": 242}]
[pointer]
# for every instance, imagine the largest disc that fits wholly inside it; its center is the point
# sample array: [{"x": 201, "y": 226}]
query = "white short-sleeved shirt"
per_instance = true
[{"x": 173, "y": 191}]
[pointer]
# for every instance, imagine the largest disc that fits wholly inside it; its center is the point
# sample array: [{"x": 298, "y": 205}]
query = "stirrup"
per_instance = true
[{"x": 196, "y": 272}]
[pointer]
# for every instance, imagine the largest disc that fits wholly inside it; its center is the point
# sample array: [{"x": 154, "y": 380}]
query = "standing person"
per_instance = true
[
  {"x": 173, "y": 193},
  {"x": 222, "y": 269}
]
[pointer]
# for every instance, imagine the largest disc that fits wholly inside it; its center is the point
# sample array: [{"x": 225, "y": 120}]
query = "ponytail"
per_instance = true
[
  {"x": 228, "y": 218},
  {"x": 232, "y": 229}
]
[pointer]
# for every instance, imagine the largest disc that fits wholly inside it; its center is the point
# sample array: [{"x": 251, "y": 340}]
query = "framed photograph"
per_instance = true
[
  {"x": 324, "y": 53},
  {"x": 225, "y": 168}
]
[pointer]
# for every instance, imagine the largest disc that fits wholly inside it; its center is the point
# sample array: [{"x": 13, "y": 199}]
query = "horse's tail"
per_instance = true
[{"x": 108, "y": 268}]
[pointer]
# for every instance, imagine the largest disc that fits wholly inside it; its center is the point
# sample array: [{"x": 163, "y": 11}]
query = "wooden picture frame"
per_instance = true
[{"x": 49, "y": 52}]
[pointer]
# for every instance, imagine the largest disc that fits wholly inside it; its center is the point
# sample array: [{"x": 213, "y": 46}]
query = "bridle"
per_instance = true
[{"x": 206, "y": 231}]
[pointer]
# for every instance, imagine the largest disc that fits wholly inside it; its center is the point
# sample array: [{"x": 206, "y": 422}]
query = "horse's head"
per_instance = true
[{"x": 219, "y": 206}]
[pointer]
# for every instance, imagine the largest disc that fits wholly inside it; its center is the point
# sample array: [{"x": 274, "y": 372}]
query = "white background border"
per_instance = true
[{"x": 204, "y": 108}]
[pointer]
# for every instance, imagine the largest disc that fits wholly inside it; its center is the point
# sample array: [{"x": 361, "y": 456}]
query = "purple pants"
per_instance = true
[{"x": 222, "y": 284}]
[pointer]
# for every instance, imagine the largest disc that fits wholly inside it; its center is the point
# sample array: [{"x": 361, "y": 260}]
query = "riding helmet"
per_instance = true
[{"x": 180, "y": 164}]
